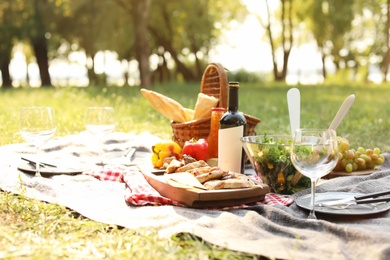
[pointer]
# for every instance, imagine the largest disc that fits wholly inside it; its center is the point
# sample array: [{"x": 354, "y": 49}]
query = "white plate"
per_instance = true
[{"x": 360, "y": 209}]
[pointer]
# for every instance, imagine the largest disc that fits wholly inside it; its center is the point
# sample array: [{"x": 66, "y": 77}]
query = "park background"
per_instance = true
[{"x": 89, "y": 42}]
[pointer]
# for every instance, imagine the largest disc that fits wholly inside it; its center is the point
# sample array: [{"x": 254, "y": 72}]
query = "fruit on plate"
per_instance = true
[
  {"x": 351, "y": 160},
  {"x": 164, "y": 150}
]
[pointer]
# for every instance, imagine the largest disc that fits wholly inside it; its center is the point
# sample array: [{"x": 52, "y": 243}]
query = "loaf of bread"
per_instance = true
[
  {"x": 203, "y": 106},
  {"x": 170, "y": 108}
]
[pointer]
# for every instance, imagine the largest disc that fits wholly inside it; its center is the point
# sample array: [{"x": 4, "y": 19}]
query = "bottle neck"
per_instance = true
[{"x": 233, "y": 99}]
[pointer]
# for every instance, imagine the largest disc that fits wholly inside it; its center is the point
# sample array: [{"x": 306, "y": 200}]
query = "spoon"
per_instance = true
[
  {"x": 294, "y": 108},
  {"x": 342, "y": 112}
]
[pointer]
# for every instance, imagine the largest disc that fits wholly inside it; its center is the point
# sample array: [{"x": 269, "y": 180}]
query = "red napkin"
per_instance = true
[{"x": 139, "y": 193}]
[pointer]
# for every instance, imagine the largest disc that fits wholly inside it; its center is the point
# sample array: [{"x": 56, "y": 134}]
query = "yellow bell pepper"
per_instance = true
[{"x": 163, "y": 150}]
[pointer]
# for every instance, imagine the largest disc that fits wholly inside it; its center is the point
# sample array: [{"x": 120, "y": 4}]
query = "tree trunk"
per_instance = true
[
  {"x": 40, "y": 50},
  {"x": 4, "y": 67},
  {"x": 287, "y": 39},
  {"x": 39, "y": 44},
  {"x": 92, "y": 77},
  {"x": 142, "y": 50},
  {"x": 323, "y": 56}
]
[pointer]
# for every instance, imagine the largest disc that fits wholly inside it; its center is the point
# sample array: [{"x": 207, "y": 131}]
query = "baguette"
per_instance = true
[{"x": 170, "y": 108}]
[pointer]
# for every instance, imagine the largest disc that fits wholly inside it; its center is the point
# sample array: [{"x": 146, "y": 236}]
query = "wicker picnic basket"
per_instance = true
[{"x": 214, "y": 83}]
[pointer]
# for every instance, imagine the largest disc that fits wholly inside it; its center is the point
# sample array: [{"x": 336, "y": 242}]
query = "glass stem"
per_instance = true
[
  {"x": 312, "y": 214},
  {"x": 37, "y": 163}
]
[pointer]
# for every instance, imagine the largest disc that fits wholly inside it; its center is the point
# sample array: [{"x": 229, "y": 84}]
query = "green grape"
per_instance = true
[
  {"x": 380, "y": 160},
  {"x": 348, "y": 167},
  {"x": 371, "y": 165},
  {"x": 351, "y": 160},
  {"x": 350, "y": 154},
  {"x": 343, "y": 145},
  {"x": 374, "y": 157},
  {"x": 360, "y": 161},
  {"x": 354, "y": 166},
  {"x": 377, "y": 151},
  {"x": 366, "y": 158},
  {"x": 369, "y": 152},
  {"x": 361, "y": 150}
]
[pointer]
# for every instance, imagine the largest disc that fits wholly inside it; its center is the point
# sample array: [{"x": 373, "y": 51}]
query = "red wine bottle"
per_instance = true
[{"x": 232, "y": 127}]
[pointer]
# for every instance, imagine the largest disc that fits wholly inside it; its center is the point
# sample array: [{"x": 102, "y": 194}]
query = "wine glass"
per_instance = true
[
  {"x": 37, "y": 125},
  {"x": 100, "y": 121},
  {"x": 314, "y": 153}
]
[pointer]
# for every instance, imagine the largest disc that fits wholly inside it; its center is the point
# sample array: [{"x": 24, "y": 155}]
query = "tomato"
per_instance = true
[{"x": 197, "y": 149}]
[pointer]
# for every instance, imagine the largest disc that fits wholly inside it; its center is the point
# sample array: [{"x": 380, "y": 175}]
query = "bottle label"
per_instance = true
[{"x": 230, "y": 148}]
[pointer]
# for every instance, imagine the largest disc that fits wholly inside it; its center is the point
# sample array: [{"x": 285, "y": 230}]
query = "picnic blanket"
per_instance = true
[{"x": 277, "y": 228}]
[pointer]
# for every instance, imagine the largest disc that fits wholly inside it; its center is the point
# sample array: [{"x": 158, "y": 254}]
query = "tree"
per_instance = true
[
  {"x": 10, "y": 28},
  {"x": 331, "y": 23},
  {"x": 141, "y": 16},
  {"x": 85, "y": 27},
  {"x": 285, "y": 39},
  {"x": 38, "y": 25},
  {"x": 187, "y": 30}
]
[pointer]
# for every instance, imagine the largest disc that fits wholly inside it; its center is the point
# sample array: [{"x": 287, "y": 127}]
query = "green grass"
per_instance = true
[{"x": 32, "y": 229}]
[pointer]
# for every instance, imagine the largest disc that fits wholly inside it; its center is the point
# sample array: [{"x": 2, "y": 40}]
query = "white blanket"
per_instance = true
[{"x": 270, "y": 231}]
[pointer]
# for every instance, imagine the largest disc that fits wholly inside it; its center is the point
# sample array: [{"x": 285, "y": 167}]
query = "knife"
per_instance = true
[
  {"x": 294, "y": 108},
  {"x": 42, "y": 164},
  {"x": 343, "y": 110},
  {"x": 361, "y": 199}
]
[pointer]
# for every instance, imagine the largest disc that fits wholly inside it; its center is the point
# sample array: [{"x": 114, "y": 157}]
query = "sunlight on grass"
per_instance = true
[{"x": 34, "y": 229}]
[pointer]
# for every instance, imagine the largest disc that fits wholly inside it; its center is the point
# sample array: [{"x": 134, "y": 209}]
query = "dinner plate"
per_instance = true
[
  {"x": 359, "y": 209},
  {"x": 26, "y": 167}
]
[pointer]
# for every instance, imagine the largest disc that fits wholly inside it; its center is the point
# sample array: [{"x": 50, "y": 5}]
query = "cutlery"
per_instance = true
[
  {"x": 41, "y": 164},
  {"x": 125, "y": 159},
  {"x": 352, "y": 205},
  {"x": 294, "y": 108},
  {"x": 361, "y": 199},
  {"x": 129, "y": 154},
  {"x": 57, "y": 168},
  {"x": 342, "y": 112}
]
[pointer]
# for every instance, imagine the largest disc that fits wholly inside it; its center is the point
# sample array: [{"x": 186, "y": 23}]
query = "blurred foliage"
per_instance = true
[
  {"x": 242, "y": 75},
  {"x": 353, "y": 35}
]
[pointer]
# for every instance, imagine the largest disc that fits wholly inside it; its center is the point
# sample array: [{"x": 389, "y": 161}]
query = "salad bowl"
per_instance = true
[{"x": 270, "y": 158}]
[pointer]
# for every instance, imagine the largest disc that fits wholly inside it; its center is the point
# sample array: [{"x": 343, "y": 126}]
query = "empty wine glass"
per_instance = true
[
  {"x": 100, "y": 121},
  {"x": 314, "y": 153},
  {"x": 37, "y": 125}
]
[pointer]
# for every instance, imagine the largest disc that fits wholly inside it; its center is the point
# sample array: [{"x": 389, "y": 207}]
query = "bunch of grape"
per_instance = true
[{"x": 351, "y": 160}]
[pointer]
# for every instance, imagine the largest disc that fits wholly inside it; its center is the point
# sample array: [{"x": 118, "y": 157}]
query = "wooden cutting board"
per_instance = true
[
  {"x": 198, "y": 198},
  {"x": 335, "y": 174}
]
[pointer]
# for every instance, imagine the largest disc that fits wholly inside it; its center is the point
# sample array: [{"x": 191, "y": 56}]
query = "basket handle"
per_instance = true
[{"x": 215, "y": 83}]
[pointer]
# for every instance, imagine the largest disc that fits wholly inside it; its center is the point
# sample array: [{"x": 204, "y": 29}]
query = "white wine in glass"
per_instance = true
[
  {"x": 37, "y": 125},
  {"x": 100, "y": 121},
  {"x": 314, "y": 153}
]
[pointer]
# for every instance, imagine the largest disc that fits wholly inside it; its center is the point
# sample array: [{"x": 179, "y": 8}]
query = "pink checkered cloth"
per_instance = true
[{"x": 139, "y": 192}]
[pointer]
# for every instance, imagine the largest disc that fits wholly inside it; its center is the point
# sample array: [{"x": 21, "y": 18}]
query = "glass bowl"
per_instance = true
[{"x": 270, "y": 158}]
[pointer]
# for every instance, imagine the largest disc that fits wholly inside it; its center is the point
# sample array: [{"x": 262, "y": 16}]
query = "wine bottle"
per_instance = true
[{"x": 232, "y": 127}]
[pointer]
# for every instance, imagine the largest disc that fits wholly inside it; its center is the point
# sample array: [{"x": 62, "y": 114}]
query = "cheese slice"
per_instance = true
[{"x": 183, "y": 180}]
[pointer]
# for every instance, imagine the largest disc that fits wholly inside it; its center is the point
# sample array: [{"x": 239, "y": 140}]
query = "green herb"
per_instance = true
[{"x": 272, "y": 161}]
